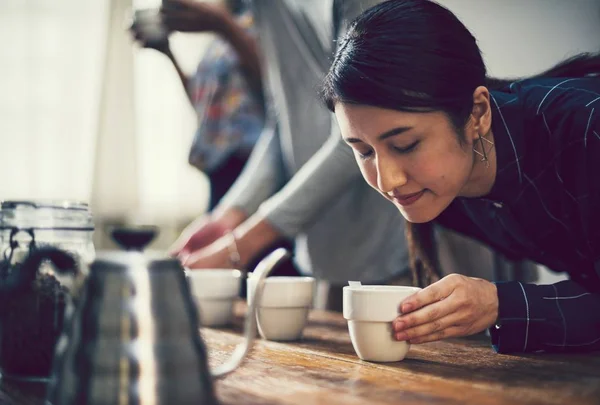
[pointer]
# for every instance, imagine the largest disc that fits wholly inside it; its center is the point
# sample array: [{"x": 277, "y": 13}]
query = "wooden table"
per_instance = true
[{"x": 323, "y": 369}]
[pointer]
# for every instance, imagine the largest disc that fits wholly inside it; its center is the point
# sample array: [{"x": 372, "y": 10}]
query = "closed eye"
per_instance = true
[
  {"x": 364, "y": 156},
  {"x": 406, "y": 149}
]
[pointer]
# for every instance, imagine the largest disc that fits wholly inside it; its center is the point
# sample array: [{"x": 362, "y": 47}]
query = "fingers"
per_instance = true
[
  {"x": 187, "y": 243},
  {"x": 454, "y": 306},
  {"x": 183, "y": 257},
  {"x": 426, "y": 315},
  {"x": 429, "y": 295},
  {"x": 178, "y": 247},
  {"x": 184, "y": 244},
  {"x": 192, "y": 261},
  {"x": 436, "y": 327},
  {"x": 452, "y": 331},
  {"x": 213, "y": 256}
]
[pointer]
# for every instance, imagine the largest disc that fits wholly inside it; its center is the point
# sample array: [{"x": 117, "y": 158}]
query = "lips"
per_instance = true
[{"x": 407, "y": 199}]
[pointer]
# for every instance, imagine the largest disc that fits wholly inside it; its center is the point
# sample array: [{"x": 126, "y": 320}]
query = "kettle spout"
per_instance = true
[{"x": 262, "y": 270}]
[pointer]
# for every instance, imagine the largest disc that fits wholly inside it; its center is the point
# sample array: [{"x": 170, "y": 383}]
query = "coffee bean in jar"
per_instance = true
[
  {"x": 32, "y": 322},
  {"x": 33, "y": 298}
]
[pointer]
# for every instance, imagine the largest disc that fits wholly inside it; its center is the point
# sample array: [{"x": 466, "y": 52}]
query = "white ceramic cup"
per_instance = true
[
  {"x": 149, "y": 24},
  {"x": 285, "y": 305},
  {"x": 215, "y": 291},
  {"x": 370, "y": 310}
]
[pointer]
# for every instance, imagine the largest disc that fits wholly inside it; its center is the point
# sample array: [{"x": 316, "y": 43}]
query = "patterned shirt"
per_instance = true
[
  {"x": 230, "y": 115},
  {"x": 544, "y": 206}
]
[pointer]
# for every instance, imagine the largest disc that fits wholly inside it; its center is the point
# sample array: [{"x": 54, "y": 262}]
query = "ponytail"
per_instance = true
[{"x": 581, "y": 65}]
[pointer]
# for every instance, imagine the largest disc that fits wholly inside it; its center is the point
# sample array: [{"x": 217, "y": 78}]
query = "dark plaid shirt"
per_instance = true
[{"x": 544, "y": 206}]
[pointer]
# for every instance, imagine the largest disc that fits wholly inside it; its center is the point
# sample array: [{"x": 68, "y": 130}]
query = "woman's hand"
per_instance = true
[
  {"x": 205, "y": 230},
  {"x": 251, "y": 237},
  {"x": 214, "y": 256},
  {"x": 454, "y": 306}
]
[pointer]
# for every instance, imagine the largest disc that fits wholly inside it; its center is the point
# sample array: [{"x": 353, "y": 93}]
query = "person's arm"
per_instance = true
[
  {"x": 194, "y": 16},
  {"x": 559, "y": 317},
  {"x": 327, "y": 173},
  {"x": 262, "y": 176},
  {"x": 309, "y": 192},
  {"x": 246, "y": 48},
  {"x": 313, "y": 187},
  {"x": 286, "y": 213},
  {"x": 163, "y": 47},
  {"x": 563, "y": 316}
]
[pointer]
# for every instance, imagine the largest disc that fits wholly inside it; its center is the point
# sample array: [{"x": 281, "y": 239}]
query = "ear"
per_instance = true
[{"x": 481, "y": 114}]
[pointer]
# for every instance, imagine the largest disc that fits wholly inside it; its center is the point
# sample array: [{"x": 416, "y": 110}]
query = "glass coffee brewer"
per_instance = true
[{"x": 33, "y": 303}]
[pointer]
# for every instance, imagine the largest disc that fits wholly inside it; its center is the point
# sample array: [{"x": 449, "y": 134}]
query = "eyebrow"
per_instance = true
[{"x": 385, "y": 135}]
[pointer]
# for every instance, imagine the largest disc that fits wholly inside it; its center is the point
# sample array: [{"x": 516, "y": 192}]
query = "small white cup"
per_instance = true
[
  {"x": 215, "y": 291},
  {"x": 283, "y": 310},
  {"x": 370, "y": 310},
  {"x": 149, "y": 23}
]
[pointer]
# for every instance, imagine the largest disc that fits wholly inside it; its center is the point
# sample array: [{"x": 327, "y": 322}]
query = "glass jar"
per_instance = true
[{"x": 31, "y": 321}]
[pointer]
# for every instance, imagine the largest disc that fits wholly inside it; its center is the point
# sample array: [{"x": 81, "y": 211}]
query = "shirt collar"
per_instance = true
[{"x": 507, "y": 127}]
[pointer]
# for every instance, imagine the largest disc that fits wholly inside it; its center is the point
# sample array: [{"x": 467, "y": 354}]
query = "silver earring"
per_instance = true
[{"x": 484, "y": 153}]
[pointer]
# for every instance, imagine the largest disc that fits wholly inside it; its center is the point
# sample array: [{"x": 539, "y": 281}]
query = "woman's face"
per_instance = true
[{"x": 415, "y": 160}]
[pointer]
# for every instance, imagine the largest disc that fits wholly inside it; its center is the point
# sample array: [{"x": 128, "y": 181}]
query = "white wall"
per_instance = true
[
  {"x": 51, "y": 63},
  {"x": 523, "y": 37}
]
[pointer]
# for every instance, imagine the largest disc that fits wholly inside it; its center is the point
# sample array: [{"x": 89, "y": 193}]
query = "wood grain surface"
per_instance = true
[{"x": 322, "y": 368}]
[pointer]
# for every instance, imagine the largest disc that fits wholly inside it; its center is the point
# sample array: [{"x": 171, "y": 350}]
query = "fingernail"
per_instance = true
[
  {"x": 400, "y": 325},
  {"x": 401, "y": 336},
  {"x": 407, "y": 308}
]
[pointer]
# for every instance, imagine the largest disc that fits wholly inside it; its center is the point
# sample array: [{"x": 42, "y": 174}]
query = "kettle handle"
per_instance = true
[{"x": 263, "y": 269}]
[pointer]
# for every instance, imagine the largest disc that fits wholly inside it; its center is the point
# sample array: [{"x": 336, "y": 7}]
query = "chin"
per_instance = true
[{"x": 418, "y": 216}]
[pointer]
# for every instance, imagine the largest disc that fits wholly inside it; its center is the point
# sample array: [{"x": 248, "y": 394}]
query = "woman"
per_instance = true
[{"x": 514, "y": 164}]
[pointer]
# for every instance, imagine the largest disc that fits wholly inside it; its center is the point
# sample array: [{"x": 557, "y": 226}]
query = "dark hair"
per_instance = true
[{"x": 415, "y": 55}]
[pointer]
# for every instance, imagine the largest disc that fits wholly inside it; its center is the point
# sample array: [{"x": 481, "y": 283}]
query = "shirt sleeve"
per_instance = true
[
  {"x": 315, "y": 185},
  {"x": 263, "y": 175},
  {"x": 327, "y": 173},
  {"x": 561, "y": 317}
]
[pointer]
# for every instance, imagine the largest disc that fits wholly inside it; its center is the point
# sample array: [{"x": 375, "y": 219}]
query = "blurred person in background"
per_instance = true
[
  {"x": 230, "y": 109},
  {"x": 301, "y": 180}
]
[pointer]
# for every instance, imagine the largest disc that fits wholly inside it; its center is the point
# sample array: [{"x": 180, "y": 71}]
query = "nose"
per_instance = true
[{"x": 390, "y": 174}]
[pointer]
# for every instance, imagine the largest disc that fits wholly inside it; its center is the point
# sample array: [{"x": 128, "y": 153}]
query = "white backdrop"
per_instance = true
[{"x": 86, "y": 115}]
